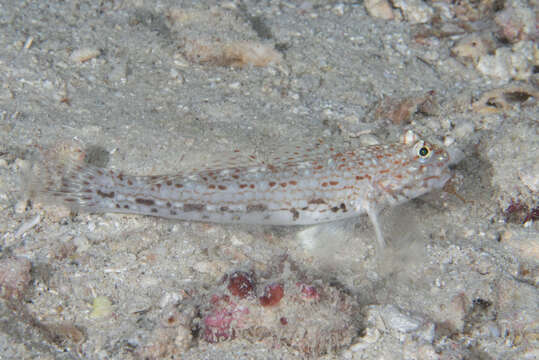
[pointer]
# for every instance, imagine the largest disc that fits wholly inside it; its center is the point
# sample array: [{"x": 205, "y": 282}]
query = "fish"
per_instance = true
[{"x": 305, "y": 186}]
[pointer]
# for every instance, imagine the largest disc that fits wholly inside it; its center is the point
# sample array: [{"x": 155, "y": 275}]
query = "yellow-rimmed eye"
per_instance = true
[{"x": 422, "y": 150}]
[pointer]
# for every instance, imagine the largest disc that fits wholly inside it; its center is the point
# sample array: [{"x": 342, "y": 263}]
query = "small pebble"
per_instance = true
[
  {"x": 379, "y": 9},
  {"x": 101, "y": 307},
  {"x": 20, "y": 206},
  {"x": 338, "y": 9},
  {"x": 235, "y": 85},
  {"x": 84, "y": 54},
  {"x": 399, "y": 321},
  {"x": 414, "y": 11}
]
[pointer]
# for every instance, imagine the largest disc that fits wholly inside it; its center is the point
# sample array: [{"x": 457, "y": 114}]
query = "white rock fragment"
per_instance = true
[
  {"x": 338, "y": 9},
  {"x": 427, "y": 332},
  {"x": 473, "y": 47},
  {"x": 414, "y": 11},
  {"x": 380, "y": 9},
  {"x": 84, "y": 54},
  {"x": 515, "y": 63},
  {"x": 170, "y": 299},
  {"x": 517, "y": 21},
  {"x": 235, "y": 85},
  {"x": 398, "y": 321},
  {"x": 20, "y": 206},
  {"x": 372, "y": 335}
]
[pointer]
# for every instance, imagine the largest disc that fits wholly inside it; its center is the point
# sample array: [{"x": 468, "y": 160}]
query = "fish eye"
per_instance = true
[{"x": 423, "y": 152}]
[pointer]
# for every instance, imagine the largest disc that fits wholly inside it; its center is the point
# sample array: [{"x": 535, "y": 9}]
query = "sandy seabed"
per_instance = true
[{"x": 158, "y": 87}]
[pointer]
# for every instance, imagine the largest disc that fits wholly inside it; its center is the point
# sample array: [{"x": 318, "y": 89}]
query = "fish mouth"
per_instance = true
[{"x": 438, "y": 181}]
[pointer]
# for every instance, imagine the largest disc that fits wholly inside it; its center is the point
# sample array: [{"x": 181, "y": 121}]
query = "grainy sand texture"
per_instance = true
[{"x": 157, "y": 87}]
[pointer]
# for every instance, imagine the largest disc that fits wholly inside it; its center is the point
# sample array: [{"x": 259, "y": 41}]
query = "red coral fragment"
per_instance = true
[
  {"x": 519, "y": 213},
  {"x": 217, "y": 326},
  {"x": 218, "y": 323},
  {"x": 241, "y": 284},
  {"x": 273, "y": 293},
  {"x": 308, "y": 291},
  {"x": 533, "y": 215}
]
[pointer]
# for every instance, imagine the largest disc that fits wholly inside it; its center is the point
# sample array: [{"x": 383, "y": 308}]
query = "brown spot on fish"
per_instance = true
[
  {"x": 141, "y": 201},
  {"x": 109, "y": 195},
  {"x": 221, "y": 187},
  {"x": 317, "y": 201},
  {"x": 193, "y": 207},
  {"x": 178, "y": 185},
  {"x": 256, "y": 207}
]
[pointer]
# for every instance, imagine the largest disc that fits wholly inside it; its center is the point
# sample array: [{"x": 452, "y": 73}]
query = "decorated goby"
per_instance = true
[{"x": 309, "y": 186}]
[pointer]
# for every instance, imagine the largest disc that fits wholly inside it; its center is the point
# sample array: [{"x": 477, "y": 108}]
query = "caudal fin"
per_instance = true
[{"x": 60, "y": 175}]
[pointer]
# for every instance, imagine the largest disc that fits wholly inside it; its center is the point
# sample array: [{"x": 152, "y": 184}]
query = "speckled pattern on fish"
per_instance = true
[{"x": 309, "y": 186}]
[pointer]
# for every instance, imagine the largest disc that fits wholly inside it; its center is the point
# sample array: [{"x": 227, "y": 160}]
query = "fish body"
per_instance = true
[{"x": 305, "y": 187}]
